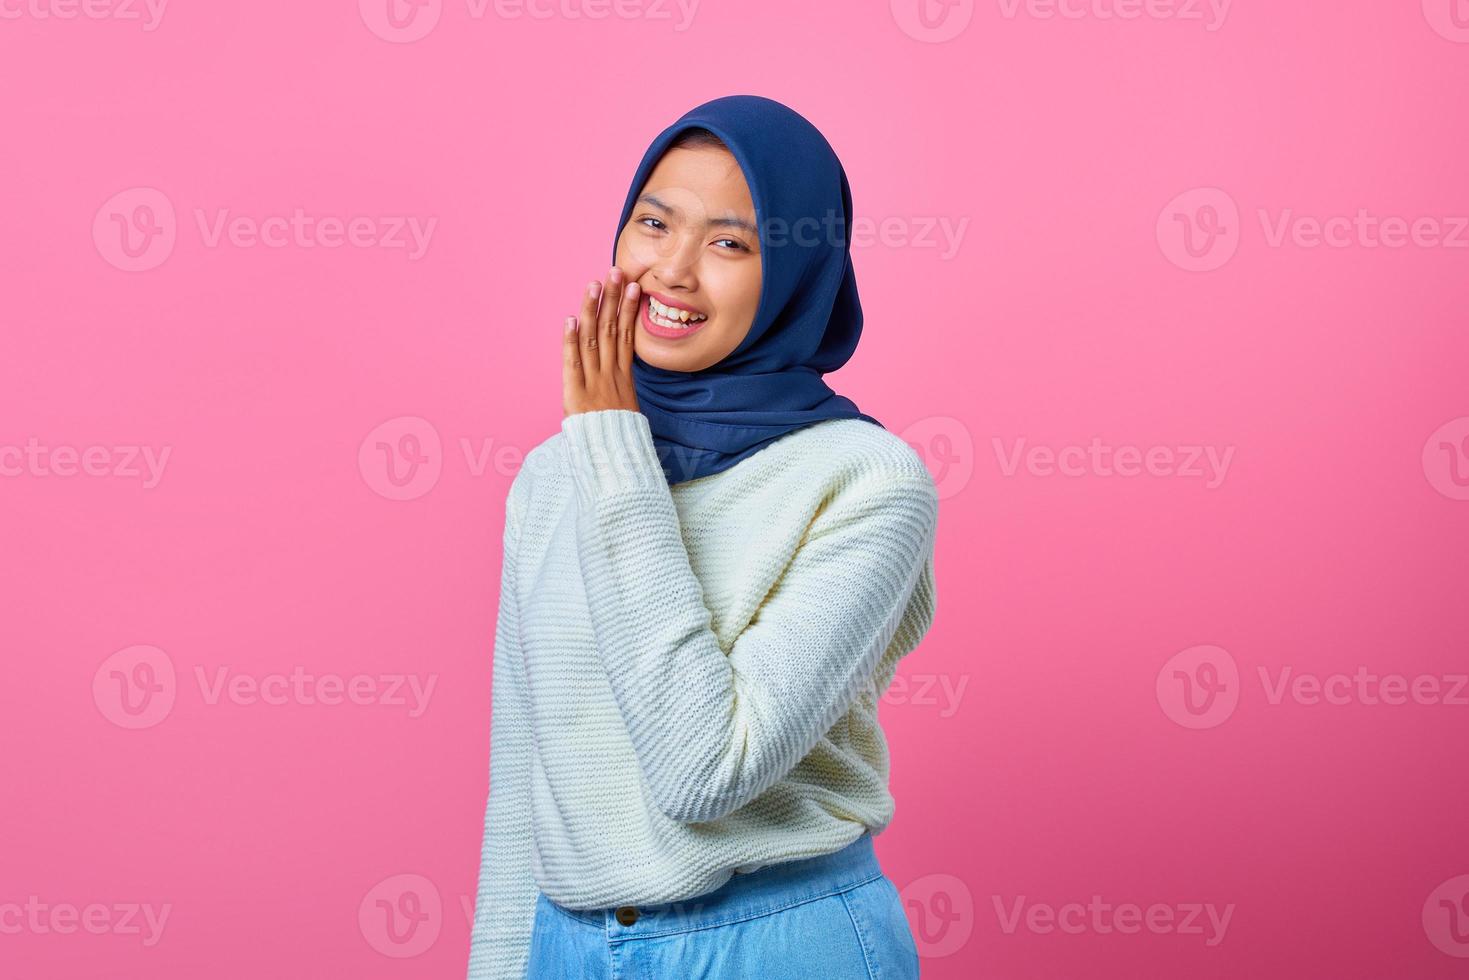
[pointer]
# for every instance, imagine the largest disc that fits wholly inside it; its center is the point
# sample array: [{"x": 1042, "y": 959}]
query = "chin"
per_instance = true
[{"x": 676, "y": 363}]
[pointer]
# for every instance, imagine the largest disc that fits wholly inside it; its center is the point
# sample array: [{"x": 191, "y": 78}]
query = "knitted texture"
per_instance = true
[{"x": 686, "y": 679}]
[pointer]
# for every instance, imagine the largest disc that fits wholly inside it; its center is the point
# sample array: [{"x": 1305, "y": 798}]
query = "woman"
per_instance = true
[{"x": 710, "y": 575}]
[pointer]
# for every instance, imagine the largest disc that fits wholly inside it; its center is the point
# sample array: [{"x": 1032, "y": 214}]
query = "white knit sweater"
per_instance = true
[{"x": 686, "y": 678}]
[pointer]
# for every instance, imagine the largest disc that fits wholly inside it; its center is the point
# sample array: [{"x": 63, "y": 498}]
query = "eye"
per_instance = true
[
  {"x": 739, "y": 245},
  {"x": 660, "y": 225}
]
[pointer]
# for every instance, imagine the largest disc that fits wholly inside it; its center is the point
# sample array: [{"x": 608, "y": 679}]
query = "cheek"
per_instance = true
[
  {"x": 737, "y": 315},
  {"x": 745, "y": 299},
  {"x": 737, "y": 291},
  {"x": 634, "y": 269},
  {"x": 627, "y": 258}
]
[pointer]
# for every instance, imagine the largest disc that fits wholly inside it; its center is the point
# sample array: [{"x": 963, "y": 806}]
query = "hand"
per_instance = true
[{"x": 597, "y": 348}]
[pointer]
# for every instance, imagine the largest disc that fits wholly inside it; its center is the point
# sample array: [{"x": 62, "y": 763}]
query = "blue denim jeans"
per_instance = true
[{"x": 831, "y": 917}]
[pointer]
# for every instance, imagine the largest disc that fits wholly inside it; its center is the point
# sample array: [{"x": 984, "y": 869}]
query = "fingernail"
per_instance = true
[
  {"x": 632, "y": 290},
  {"x": 570, "y": 324},
  {"x": 616, "y": 274},
  {"x": 592, "y": 289}
]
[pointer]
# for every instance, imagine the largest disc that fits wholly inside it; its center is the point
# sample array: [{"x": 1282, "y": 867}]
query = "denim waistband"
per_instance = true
[{"x": 744, "y": 896}]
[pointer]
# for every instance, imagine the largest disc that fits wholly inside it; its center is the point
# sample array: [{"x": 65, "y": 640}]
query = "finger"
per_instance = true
[
  {"x": 571, "y": 373},
  {"x": 628, "y": 326},
  {"x": 607, "y": 320},
  {"x": 586, "y": 330}
]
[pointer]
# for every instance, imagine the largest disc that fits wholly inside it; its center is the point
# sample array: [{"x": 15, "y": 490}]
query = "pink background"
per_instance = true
[{"x": 1119, "y": 276}]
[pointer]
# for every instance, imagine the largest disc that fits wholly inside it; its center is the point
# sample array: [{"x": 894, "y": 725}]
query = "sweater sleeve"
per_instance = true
[
  {"x": 712, "y": 729},
  {"x": 506, "y": 895}
]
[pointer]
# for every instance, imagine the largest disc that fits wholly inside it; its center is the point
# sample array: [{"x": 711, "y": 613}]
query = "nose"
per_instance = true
[{"x": 675, "y": 265}]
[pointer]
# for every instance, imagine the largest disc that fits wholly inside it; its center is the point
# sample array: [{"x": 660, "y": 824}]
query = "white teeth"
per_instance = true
[{"x": 675, "y": 317}]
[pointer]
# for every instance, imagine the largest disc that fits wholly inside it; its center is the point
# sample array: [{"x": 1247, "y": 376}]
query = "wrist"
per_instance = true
[{"x": 611, "y": 451}]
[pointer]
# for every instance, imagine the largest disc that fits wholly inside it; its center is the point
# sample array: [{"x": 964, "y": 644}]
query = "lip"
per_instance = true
[
  {"x": 669, "y": 333},
  {"x": 670, "y": 301}
]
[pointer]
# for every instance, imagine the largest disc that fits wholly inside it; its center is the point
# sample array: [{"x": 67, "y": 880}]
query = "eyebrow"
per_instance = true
[{"x": 726, "y": 221}]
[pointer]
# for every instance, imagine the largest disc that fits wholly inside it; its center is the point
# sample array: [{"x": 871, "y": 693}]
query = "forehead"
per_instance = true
[{"x": 710, "y": 174}]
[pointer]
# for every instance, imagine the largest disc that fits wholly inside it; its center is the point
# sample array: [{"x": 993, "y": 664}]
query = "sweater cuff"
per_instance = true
[{"x": 612, "y": 451}]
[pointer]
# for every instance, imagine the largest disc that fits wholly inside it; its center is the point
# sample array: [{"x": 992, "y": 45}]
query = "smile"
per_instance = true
[
  {"x": 670, "y": 322},
  {"x": 673, "y": 316}
]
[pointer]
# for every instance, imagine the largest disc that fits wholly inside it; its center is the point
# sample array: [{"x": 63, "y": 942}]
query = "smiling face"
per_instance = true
[{"x": 691, "y": 243}]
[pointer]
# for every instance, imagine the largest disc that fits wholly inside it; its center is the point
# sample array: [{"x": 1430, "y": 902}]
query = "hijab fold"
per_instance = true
[{"x": 809, "y": 317}]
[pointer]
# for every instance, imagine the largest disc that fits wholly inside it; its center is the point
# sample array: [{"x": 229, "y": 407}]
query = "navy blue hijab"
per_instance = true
[{"x": 809, "y": 318}]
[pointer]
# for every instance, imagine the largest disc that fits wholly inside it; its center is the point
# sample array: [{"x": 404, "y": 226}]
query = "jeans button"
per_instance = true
[{"x": 627, "y": 914}]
